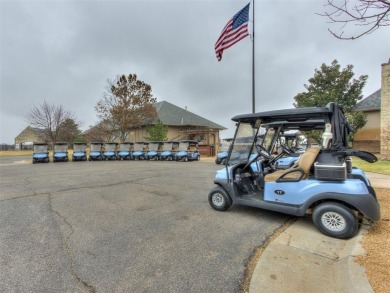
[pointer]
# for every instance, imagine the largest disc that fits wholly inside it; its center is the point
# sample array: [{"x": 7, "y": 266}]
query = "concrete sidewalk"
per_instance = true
[{"x": 302, "y": 259}]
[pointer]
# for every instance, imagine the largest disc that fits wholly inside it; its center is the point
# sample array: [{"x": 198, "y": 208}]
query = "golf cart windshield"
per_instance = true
[
  {"x": 183, "y": 146},
  {"x": 110, "y": 147},
  {"x": 167, "y": 146},
  {"x": 79, "y": 147},
  {"x": 61, "y": 148},
  {"x": 224, "y": 145},
  {"x": 124, "y": 146},
  {"x": 138, "y": 146},
  {"x": 95, "y": 147},
  {"x": 242, "y": 143},
  {"x": 153, "y": 146},
  {"x": 40, "y": 148}
]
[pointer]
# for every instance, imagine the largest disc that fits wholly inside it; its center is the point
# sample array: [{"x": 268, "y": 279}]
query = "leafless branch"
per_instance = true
[{"x": 370, "y": 14}]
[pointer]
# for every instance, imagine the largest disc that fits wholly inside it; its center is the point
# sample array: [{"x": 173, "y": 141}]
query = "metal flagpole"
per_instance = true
[{"x": 253, "y": 56}]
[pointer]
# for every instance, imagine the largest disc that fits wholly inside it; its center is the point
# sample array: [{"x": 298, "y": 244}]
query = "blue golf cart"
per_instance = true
[
  {"x": 169, "y": 150},
  {"x": 125, "y": 150},
  {"x": 41, "y": 153},
  {"x": 188, "y": 151},
  {"x": 60, "y": 152},
  {"x": 154, "y": 150},
  {"x": 324, "y": 184},
  {"x": 95, "y": 151},
  {"x": 223, "y": 151},
  {"x": 140, "y": 150},
  {"x": 79, "y": 151},
  {"x": 110, "y": 151}
]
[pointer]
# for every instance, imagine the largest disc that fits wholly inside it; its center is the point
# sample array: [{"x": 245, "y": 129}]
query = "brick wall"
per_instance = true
[{"x": 385, "y": 112}]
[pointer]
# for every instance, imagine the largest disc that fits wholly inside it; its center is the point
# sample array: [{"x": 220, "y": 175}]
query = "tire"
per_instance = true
[
  {"x": 185, "y": 159},
  {"x": 33, "y": 161},
  {"x": 219, "y": 199},
  {"x": 198, "y": 158},
  {"x": 335, "y": 220}
]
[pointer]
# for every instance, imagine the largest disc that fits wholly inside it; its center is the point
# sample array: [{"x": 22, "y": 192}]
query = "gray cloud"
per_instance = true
[{"x": 64, "y": 51}]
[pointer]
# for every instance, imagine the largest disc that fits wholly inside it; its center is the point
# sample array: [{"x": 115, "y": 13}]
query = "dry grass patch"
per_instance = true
[{"x": 376, "y": 244}]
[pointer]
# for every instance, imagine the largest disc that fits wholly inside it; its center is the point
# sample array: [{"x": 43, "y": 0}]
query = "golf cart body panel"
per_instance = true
[
  {"x": 40, "y": 153},
  {"x": 125, "y": 150},
  {"x": 323, "y": 182},
  {"x": 169, "y": 150},
  {"x": 96, "y": 151},
  {"x": 110, "y": 150},
  {"x": 79, "y": 151},
  {"x": 60, "y": 152}
]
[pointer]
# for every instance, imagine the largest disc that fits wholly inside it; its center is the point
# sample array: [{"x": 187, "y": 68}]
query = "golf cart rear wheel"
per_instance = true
[
  {"x": 219, "y": 199},
  {"x": 335, "y": 220}
]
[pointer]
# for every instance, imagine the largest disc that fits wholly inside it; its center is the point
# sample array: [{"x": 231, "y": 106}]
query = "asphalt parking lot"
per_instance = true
[{"x": 122, "y": 226}]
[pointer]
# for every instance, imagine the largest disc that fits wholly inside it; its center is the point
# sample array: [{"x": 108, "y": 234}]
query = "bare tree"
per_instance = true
[
  {"x": 50, "y": 118},
  {"x": 368, "y": 14},
  {"x": 126, "y": 104}
]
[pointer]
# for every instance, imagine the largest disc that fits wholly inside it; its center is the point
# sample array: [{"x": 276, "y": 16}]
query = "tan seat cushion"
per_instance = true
[{"x": 305, "y": 162}]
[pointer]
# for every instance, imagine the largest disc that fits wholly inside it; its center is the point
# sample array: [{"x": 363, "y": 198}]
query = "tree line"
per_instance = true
[{"x": 128, "y": 103}]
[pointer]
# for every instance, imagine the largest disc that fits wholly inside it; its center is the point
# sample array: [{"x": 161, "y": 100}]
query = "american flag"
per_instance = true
[{"x": 234, "y": 31}]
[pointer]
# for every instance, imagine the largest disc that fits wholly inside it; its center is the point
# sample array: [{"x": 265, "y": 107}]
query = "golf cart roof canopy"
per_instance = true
[
  {"x": 305, "y": 119},
  {"x": 309, "y": 124},
  {"x": 297, "y": 115}
]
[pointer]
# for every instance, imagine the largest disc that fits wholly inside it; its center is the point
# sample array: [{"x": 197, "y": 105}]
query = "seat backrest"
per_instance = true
[{"x": 307, "y": 159}]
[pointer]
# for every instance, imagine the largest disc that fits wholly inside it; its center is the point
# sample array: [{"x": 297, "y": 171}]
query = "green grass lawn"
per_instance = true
[{"x": 382, "y": 167}]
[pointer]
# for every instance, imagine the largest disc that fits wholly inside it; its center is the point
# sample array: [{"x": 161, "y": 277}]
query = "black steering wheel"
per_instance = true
[
  {"x": 263, "y": 152},
  {"x": 286, "y": 150}
]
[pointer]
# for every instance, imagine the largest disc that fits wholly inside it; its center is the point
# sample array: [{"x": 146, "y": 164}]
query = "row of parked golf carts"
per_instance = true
[{"x": 168, "y": 150}]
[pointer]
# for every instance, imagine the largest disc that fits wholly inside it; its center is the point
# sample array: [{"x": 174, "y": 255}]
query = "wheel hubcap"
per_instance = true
[
  {"x": 333, "y": 221},
  {"x": 217, "y": 199}
]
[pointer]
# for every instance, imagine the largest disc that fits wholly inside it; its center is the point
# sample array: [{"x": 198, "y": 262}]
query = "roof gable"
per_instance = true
[
  {"x": 172, "y": 115},
  {"x": 372, "y": 102}
]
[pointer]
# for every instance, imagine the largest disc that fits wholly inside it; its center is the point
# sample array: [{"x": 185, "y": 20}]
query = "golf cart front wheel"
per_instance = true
[
  {"x": 335, "y": 220},
  {"x": 219, "y": 199}
]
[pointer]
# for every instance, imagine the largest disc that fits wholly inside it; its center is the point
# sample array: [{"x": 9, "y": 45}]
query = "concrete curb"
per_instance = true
[{"x": 302, "y": 259}]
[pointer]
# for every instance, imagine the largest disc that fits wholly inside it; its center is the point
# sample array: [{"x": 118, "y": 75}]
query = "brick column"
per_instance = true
[{"x": 385, "y": 112}]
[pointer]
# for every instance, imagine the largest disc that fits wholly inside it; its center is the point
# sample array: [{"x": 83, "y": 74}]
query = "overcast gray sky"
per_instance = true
[{"x": 64, "y": 52}]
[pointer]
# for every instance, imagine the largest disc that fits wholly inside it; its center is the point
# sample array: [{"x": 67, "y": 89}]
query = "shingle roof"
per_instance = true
[
  {"x": 372, "y": 102},
  {"x": 172, "y": 115}
]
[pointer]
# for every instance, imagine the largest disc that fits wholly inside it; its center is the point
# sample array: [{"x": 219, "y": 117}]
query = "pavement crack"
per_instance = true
[{"x": 68, "y": 246}]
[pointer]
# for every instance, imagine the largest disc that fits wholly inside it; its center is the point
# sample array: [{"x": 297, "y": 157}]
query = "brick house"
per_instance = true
[
  {"x": 375, "y": 135},
  {"x": 368, "y": 138},
  {"x": 28, "y": 136},
  {"x": 183, "y": 124}
]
